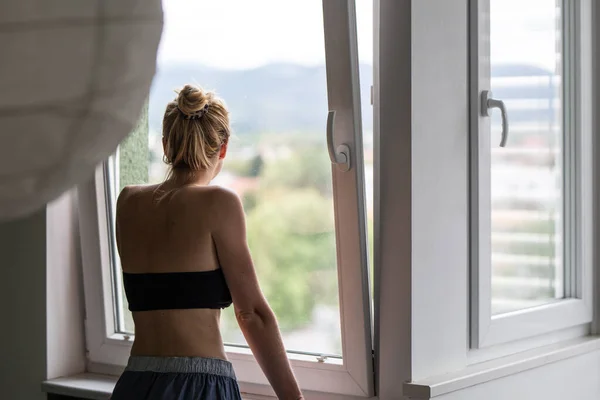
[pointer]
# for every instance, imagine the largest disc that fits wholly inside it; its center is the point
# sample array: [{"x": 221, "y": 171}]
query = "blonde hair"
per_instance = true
[{"x": 195, "y": 126}]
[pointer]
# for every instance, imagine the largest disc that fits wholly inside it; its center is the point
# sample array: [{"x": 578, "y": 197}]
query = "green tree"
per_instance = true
[
  {"x": 291, "y": 235},
  {"x": 256, "y": 165},
  {"x": 247, "y": 168},
  {"x": 292, "y": 240},
  {"x": 309, "y": 168}
]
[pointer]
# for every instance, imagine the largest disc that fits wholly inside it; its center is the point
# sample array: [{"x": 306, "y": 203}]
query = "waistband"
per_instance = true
[{"x": 185, "y": 365}]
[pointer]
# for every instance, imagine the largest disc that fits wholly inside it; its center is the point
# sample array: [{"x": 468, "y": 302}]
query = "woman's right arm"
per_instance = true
[{"x": 255, "y": 317}]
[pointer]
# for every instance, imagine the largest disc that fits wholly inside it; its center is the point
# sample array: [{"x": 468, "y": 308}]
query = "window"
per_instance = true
[
  {"x": 309, "y": 220},
  {"x": 530, "y": 170}
]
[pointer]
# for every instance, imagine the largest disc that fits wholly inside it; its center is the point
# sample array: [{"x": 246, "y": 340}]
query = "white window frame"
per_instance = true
[
  {"x": 576, "y": 309},
  {"x": 108, "y": 349}
]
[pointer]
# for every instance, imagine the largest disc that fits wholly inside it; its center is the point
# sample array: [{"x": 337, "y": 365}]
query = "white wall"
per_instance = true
[
  {"x": 41, "y": 328},
  {"x": 64, "y": 288},
  {"x": 23, "y": 307}
]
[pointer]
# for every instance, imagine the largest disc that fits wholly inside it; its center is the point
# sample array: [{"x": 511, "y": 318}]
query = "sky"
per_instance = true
[
  {"x": 524, "y": 31},
  {"x": 240, "y": 34}
]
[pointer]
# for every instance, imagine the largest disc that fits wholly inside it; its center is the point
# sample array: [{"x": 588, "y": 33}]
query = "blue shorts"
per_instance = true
[{"x": 177, "y": 378}]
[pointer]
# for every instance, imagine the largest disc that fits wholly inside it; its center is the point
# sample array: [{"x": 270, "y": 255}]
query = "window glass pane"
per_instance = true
[
  {"x": 275, "y": 87},
  {"x": 527, "y": 175}
]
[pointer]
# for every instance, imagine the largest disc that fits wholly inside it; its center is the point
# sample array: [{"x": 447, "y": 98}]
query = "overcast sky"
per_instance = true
[
  {"x": 248, "y": 33},
  {"x": 524, "y": 31}
]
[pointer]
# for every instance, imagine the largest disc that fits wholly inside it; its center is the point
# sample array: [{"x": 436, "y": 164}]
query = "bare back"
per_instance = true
[{"x": 173, "y": 234}]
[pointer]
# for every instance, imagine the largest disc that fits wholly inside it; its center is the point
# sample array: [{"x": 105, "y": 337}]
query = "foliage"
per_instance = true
[
  {"x": 255, "y": 166},
  {"x": 290, "y": 230},
  {"x": 308, "y": 168},
  {"x": 246, "y": 167},
  {"x": 133, "y": 154},
  {"x": 249, "y": 200}
]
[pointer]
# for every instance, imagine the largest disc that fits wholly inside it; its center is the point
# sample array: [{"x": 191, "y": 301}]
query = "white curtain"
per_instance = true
[{"x": 74, "y": 76}]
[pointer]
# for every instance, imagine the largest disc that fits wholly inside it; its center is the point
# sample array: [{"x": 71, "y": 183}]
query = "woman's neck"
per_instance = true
[{"x": 185, "y": 176}]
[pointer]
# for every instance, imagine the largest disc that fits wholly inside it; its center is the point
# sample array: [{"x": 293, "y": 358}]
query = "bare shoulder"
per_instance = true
[
  {"x": 225, "y": 204},
  {"x": 223, "y": 197},
  {"x": 127, "y": 193},
  {"x": 214, "y": 195}
]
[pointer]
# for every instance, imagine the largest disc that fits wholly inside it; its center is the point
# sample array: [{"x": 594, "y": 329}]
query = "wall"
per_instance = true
[
  {"x": 23, "y": 307},
  {"x": 41, "y": 335},
  {"x": 64, "y": 289}
]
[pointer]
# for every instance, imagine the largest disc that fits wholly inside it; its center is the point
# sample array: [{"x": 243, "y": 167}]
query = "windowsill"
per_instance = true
[
  {"x": 99, "y": 387},
  {"x": 499, "y": 368},
  {"x": 85, "y": 386},
  {"x": 96, "y": 387}
]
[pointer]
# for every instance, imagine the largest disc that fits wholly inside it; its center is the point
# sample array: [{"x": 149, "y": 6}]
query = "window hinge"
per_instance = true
[{"x": 372, "y": 94}]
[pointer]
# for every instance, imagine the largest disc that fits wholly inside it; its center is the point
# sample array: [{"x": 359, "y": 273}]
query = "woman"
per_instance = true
[{"x": 184, "y": 255}]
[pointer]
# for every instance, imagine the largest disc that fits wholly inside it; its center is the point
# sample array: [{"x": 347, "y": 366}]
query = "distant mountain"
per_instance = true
[
  {"x": 274, "y": 98},
  {"x": 540, "y": 89},
  {"x": 284, "y": 98},
  {"x": 507, "y": 70}
]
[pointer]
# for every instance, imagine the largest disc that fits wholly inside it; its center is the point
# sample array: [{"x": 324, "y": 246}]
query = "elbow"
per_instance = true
[{"x": 255, "y": 316}]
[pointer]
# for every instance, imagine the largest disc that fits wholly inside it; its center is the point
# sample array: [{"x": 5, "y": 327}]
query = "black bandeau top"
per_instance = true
[{"x": 176, "y": 290}]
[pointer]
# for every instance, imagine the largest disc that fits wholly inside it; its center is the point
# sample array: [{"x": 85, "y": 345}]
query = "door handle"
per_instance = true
[
  {"x": 487, "y": 103},
  {"x": 339, "y": 156}
]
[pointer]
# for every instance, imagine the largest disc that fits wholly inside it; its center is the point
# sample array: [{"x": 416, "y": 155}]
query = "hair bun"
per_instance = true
[{"x": 192, "y": 99}]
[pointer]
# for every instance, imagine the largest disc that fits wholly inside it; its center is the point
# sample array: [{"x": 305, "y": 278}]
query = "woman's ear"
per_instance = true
[{"x": 223, "y": 151}]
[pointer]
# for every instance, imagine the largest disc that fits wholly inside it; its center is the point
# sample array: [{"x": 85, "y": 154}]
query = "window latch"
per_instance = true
[
  {"x": 339, "y": 156},
  {"x": 487, "y": 103}
]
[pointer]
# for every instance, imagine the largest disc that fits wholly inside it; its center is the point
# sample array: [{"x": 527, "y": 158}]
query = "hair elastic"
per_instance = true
[{"x": 195, "y": 115}]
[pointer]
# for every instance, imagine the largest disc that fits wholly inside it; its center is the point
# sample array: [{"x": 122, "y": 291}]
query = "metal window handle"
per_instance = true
[
  {"x": 341, "y": 155},
  {"x": 487, "y": 103}
]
